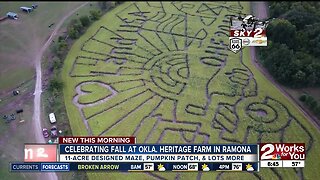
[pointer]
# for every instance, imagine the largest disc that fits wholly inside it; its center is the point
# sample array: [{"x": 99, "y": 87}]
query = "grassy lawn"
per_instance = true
[
  {"x": 314, "y": 92},
  {"x": 176, "y": 82},
  {"x": 24, "y": 37},
  {"x": 296, "y": 93},
  {"x": 13, "y": 136}
]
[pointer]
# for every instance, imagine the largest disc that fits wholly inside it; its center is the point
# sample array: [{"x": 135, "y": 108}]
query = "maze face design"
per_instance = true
[{"x": 163, "y": 73}]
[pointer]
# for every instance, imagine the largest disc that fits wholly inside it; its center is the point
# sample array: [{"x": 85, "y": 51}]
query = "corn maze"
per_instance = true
[{"x": 162, "y": 72}]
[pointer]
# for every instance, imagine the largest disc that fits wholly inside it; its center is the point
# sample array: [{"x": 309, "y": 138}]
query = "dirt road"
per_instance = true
[
  {"x": 38, "y": 89},
  {"x": 260, "y": 11}
]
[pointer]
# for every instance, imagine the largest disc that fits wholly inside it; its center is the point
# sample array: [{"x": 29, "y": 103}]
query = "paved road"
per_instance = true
[
  {"x": 38, "y": 89},
  {"x": 260, "y": 12}
]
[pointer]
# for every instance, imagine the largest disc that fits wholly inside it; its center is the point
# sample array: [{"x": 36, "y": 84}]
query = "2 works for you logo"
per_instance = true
[
  {"x": 282, "y": 151},
  {"x": 40, "y": 153}
]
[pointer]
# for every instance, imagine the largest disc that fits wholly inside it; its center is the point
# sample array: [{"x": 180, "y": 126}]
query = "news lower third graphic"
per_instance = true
[{"x": 122, "y": 154}]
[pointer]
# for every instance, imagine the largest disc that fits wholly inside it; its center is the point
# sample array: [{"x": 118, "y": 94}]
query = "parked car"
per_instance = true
[
  {"x": 45, "y": 132},
  {"x": 16, "y": 92},
  {"x": 54, "y": 132},
  {"x": 52, "y": 118}
]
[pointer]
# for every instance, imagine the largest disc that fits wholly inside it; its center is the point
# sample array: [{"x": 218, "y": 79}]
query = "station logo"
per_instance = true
[
  {"x": 235, "y": 44},
  {"x": 40, "y": 153},
  {"x": 282, "y": 151},
  {"x": 247, "y": 31}
]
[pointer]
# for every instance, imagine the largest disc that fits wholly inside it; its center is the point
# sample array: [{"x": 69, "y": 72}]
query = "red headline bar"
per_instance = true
[{"x": 97, "y": 140}]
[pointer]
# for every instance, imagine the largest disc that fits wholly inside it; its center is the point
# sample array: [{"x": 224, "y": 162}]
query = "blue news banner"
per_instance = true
[{"x": 148, "y": 157}]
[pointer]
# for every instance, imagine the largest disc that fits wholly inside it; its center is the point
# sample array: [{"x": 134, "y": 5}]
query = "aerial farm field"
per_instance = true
[
  {"x": 23, "y": 38},
  {"x": 162, "y": 72}
]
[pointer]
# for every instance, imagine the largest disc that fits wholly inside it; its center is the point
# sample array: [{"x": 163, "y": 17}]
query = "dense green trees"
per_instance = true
[
  {"x": 311, "y": 102},
  {"x": 95, "y": 15},
  {"x": 74, "y": 29},
  {"x": 77, "y": 27},
  {"x": 60, "y": 48},
  {"x": 277, "y": 8},
  {"x": 303, "y": 98},
  {"x": 119, "y": 2},
  {"x": 282, "y": 31},
  {"x": 85, "y": 21},
  {"x": 57, "y": 63},
  {"x": 293, "y": 51},
  {"x": 106, "y": 5},
  {"x": 55, "y": 84}
]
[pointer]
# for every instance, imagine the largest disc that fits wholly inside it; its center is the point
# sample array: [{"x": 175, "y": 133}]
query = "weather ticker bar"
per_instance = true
[{"x": 133, "y": 167}]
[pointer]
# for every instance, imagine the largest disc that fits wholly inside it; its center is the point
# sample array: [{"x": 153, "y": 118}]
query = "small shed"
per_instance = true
[
  {"x": 12, "y": 15},
  {"x": 34, "y": 6},
  {"x": 26, "y": 9},
  {"x": 52, "y": 118}
]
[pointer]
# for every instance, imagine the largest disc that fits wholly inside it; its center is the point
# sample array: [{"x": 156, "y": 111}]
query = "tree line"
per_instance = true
[
  {"x": 311, "y": 102},
  {"x": 75, "y": 28},
  {"x": 293, "y": 51}
]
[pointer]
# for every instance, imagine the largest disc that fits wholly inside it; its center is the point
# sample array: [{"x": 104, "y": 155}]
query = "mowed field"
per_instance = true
[
  {"x": 21, "y": 39},
  {"x": 162, "y": 72}
]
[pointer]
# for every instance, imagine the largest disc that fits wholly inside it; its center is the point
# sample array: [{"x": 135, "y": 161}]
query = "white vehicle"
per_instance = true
[{"x": 52, "y": 118}]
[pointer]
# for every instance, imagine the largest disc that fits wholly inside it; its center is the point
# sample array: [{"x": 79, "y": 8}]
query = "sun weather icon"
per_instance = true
[
  {"x": 205, "y": 167},
  {"x": 161, "y": 167},
  {"x": 249, "y": 167}
]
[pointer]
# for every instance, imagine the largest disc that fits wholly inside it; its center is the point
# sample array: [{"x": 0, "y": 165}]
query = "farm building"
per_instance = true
[
  {"x": 12, "y": 15},
  {"x": 34, "y": 6},
  {"x": 26, "y": 9}
]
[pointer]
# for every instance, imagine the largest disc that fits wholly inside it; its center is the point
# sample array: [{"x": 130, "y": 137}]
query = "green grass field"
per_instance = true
[
  {"x": 170, "y": 78},
  {"x": 13, "y": 136},
  {"x": 21, "y": 39}
]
